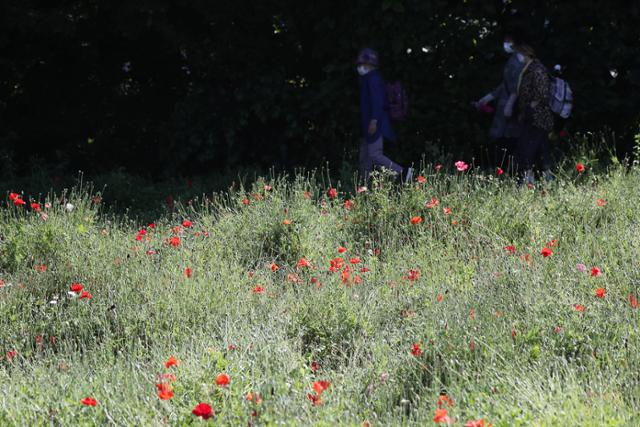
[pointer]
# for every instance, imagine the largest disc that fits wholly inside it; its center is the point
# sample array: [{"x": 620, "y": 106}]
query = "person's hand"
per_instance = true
[
  {"x": 484, "y": 101},
  {"x": 373, "y": 127}
]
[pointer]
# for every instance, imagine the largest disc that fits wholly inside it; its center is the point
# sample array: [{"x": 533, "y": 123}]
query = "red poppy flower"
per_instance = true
[
  {"x": 579, "y": 307},
  {"x": 335, "y": 264},
  {"x": 595, "y": 272},
  {"x": 415, "y": 220},
  {"x": 439, "y": 298},
  {"x": 348, "y": 204},
  {"x": 223, "y": 380},
  {"x": 511, "y": 249},
  {"x": 345, "y": 275},
  {"x": 342, "y": 250},
  {"x": 89, "y": 401},
  {"x": 187, "y": 224},
  {"x": 76, "y": 288},
  {"x": 258, "y": 289},
  {"x": 580, "y": 168},
  {"x": 552, "y": 243},
  {"x": 633, "y": 301},
  {"x": 11, "y": 354},
  {"x": 303, "y": 263},
  {"x": 600, "y": 292},
  {"x": 416, "y": 350},
  {"x": 14, "y": 196},
  {"x": 274, "y": 267},
  {"x": 171, "y": 361},
  {"x": 601, "y": 202},
  {"x": 355, "y": 260},
  {"x": 174, "y": 241},
  {"x": 165, "y": 391},
  {"x": 314, "y": 366},
  {"x": 85, "y": 295},
  {"x": 421, "y": 179},
  {"x": 499, "y": 171},
  {"x": 432, "y": 204},
  {"x": 41, "y": 268},
  {"x": 320, "y": 386},
  {"x": 442, "y": 417},
  {"x": 246, "y": 202},
  {"x": 332, "y": 193},
  {"x": 446, "y": 211},
  {"x": 413, "y": 275},
  {"x": 364, "y": 270},
  {"x": 19, "y": 202},
  {"x": 35, "y": 206},
  {"x": 203, "y": 410},
  {"x": 314, "y": 398},
  {"x": 444, "y": 400},
  {"x": 546, "y": 252}
]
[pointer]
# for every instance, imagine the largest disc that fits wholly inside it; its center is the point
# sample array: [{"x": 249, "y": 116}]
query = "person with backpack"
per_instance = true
[
  {"x": 505, "y": 129},
  {"x": 535, "y": 115},
  {"x": 375, "y": 118}
]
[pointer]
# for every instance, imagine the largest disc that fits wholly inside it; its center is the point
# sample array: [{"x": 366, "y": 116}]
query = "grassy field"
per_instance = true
[{"x": 287, "y": 304}]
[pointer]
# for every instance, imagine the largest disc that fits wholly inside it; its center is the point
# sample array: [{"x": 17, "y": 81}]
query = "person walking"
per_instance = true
[
  {"x": 505, "y": 129},
  {"x": 375, "y": 121},
  {"x": 534, "y": 115}
]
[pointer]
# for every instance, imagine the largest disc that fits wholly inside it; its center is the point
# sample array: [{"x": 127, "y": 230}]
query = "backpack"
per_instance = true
[
  {"x": 561, "y": 97},
  {"x": 397, "y": 101}
]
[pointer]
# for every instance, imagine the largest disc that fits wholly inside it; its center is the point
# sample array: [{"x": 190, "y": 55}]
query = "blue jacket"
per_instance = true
[{"x": 373, "y": 100}]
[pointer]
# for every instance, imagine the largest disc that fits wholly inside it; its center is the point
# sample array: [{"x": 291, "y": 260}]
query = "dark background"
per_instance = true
[{"x": 161, "y": 87}]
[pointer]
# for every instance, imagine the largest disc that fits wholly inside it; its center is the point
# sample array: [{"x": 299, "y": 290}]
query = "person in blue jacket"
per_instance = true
[{"x": 375, "y": 121}]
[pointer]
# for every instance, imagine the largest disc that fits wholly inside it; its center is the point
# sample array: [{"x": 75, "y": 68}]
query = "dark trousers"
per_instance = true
[{"x": 533, "y": 146}]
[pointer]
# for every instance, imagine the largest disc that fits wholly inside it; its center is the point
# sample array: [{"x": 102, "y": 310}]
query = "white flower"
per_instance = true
[{"x": 68, "y": 207}]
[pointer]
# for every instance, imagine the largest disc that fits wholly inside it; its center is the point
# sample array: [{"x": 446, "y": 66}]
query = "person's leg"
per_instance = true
[
  {"x": 526, "y": 151},
  {"x": 365, "y": 161},
  {"x": 379, "y": 159}
]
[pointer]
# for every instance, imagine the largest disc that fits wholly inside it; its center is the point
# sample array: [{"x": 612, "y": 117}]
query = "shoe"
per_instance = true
[{"x": 408, "y": 176}]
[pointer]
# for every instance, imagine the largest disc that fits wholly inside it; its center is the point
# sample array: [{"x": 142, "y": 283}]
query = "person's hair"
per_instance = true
[
  {"x": 526, "y": 49},
  {"x": 515, "y": 30}
]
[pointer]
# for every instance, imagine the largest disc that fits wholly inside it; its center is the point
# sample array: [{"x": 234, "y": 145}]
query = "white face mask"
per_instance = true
[
  {"x": 363, "y": 70},
  {"x": 508, "y": 47},
  {"x": 521, "y": 58}
]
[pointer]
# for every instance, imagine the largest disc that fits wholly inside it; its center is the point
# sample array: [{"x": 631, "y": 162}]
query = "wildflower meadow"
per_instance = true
[{"x": 460, "y": 299}]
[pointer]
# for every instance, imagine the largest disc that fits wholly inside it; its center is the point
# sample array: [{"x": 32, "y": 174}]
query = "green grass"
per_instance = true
[{"x": 486, "y": 319}]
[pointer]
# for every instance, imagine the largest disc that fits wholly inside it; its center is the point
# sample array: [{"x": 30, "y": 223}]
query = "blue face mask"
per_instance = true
[
  {"x": 508, "y": 47},
  {"x": 363, "y": 70}
]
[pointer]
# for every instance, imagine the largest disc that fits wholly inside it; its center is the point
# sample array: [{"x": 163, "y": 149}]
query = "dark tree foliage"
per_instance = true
[{"x": 165, "y": 87}]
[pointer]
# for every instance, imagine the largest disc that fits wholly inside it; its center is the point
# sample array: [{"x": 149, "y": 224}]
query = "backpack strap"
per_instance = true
[{"x": 524, "y": 70}]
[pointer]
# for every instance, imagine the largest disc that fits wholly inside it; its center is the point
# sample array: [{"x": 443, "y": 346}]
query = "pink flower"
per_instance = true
[
  {"x": 581, "y": 268},
  {"x": 461, "y": 166}
]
